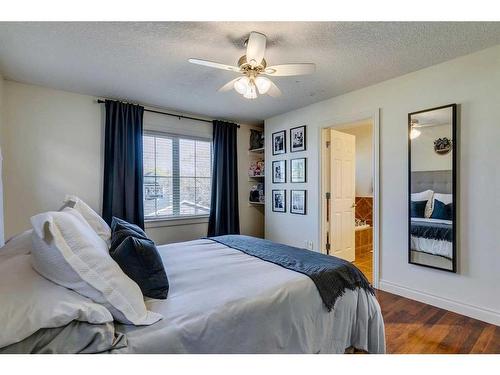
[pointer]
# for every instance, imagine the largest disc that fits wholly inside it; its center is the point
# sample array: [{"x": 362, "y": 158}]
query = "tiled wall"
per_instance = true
[
  {"x": 364, "y": 209},
  {"x": 364, "y": 241}
]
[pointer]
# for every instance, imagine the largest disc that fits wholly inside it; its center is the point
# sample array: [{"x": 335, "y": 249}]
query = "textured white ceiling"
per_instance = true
[{"x": 147, "y": 62}]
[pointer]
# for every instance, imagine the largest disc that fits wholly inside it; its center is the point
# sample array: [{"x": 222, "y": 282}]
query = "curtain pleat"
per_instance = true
[
  {"x": 123, "y": 169},
  {"x": 224, "y": 213}
]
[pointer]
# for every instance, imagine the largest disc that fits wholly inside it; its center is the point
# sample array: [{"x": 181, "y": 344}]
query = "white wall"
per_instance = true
[
  {"x": 423, "y": 156},
  {"x": 2, "y": 109},
  {"x": 52, "y": 144},
  {"x": 364, "y": 158},
  {"x": 471, "y": 81}
]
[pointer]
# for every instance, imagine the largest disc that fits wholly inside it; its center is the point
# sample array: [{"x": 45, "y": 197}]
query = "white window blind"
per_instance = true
[{"x": 177, "y": 176}]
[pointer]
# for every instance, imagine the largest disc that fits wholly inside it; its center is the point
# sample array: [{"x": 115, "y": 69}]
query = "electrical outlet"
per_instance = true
[{"x": 309, "y": 245}]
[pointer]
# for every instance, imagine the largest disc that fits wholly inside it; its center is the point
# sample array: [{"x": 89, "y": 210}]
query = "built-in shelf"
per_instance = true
[
  {"x": 257, "y": 150},
  {"x": 256, "y": 165},
  {"x": 257, "y": 203}
]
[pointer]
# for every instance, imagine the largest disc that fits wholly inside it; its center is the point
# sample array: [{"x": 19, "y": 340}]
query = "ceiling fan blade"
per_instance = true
[
  {"x": 256, "y": 48},
  {"x": 274, "y": 91},
  {"x": 290, "y": 69},
  {"x": 212, "y": 64},
  {"x": 228, "y": 86}
]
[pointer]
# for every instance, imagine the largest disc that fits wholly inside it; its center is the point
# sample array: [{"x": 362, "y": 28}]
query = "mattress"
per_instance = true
[{"x": 224, "y": 301}]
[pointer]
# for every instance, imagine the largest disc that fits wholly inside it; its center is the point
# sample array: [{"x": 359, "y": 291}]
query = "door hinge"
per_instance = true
[
  {"x": 327, "y": 207},
  {"x": 327, "y": 144},
  {"x": 327, "y": 246}
]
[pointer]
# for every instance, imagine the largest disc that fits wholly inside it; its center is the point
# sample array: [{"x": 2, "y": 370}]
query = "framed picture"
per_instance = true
[
  {"x": 279, "y": 200},
  {"x": 279, "y": 142},
  {"x": 298, "y": 170},
  {"x": 298, "y": 201},
  {"x": 279, "y": 172},
  {"x": 298, "y": 139}
]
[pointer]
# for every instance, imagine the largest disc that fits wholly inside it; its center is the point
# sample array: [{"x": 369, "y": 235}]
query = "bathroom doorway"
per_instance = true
[{"x": 349, "y": 164}]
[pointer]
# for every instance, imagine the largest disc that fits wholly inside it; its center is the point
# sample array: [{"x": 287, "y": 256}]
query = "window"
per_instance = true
[{"x": 177, "y": 176}]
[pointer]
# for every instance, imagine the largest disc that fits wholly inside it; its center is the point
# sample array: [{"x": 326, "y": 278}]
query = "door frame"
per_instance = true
[{"x": 336, "y": 123}]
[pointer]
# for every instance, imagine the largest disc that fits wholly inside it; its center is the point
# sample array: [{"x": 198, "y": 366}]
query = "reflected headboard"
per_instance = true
[{"x": 437, "y": 181}]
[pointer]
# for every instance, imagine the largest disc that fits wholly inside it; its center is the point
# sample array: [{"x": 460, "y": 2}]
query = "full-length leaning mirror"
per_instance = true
[{"x": 432, "y": 184}]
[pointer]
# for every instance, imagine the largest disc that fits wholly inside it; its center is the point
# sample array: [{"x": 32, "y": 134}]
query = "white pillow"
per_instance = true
[
  {"x": 424, "y": 196},
  {"x": 95, "y": 221},
  {"x": 68, "y": 252},
  {"x": 445, "y": 198},
  {"x": 28, "y": 302},
  {"x": 19, "y": 244}
]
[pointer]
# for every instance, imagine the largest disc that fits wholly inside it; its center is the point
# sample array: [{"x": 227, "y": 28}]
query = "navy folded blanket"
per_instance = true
[
  {"x": 331, "y": 275},
  {"x": 432, "y": 230}
]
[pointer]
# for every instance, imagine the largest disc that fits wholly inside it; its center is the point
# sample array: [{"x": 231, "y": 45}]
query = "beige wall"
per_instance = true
[
  {"x": 251, "y": 216},
  {"x": 472, "y": 82},
  {"x": 53, "y": 145}
]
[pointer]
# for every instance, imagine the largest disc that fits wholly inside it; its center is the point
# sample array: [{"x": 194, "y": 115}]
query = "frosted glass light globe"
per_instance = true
[
  {"x": 241, "y": 85},
  {"x": 263, "y": 84},
  {"x": 251, "y": 92}
]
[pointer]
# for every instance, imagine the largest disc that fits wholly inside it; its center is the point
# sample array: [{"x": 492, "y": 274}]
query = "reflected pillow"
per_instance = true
[
  {"x": 445, "y": 198},
  {"x": 417, "y": 209},
  {"x": 424, "y": 196},
  {"x": 442, "y": 211}
]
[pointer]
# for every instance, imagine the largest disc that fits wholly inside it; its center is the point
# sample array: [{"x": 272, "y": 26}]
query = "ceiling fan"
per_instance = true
[{"x": 252, "y": 66}]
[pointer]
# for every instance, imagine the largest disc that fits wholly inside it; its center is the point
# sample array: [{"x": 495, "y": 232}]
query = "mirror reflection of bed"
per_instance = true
[
  {"x": 431, "y": 206},
  {"x": 430, "y": 234}
]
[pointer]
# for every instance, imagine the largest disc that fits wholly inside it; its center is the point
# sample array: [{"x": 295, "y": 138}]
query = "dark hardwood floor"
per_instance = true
[{"x": 414, "y": 327}]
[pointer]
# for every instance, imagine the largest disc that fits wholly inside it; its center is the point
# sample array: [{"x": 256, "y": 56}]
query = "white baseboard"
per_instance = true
[{"x": 476, "y": 312}]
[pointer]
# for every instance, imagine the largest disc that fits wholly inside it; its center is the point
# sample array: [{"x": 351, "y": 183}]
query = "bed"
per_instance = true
[
  {"x": 431, "y": 239},
  {"x": 432, "y": 236},
  {"x": 222, "y": 300}
]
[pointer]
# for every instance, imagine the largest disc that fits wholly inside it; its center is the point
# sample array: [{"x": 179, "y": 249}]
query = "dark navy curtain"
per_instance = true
[
  {"x": 224, "y": 214},
  {"x": 123, "y": 173}
]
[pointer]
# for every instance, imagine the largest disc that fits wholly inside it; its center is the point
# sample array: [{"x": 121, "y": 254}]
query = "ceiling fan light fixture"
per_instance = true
[
  {"x": 251, "y": 92},
  {"x": 263, "y": 84},
  {"x": 414, "y": 133},
  {"x": 241, "y": 85},
  {"x": 252, "y": 65}
]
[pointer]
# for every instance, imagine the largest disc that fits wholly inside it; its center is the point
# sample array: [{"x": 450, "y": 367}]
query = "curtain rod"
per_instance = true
[{"x": 100, "y": 101}]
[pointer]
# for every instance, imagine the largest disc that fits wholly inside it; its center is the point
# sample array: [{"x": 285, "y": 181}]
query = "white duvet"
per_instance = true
[{"x": 224, "y": 301}]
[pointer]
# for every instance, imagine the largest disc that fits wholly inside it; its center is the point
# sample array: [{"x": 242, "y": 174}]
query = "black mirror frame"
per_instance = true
[{"x": 454, "y": 186}]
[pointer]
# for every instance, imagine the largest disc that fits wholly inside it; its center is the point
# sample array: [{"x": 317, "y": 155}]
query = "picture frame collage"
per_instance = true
[{"x": 297, "y": 168}]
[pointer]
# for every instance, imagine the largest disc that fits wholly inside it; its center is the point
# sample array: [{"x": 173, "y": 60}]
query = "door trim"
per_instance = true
[{"x": 339, "y": 122}]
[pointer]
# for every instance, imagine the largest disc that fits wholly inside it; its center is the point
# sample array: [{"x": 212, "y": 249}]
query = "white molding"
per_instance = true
[
  {"x": 175, "y": 221},
  {"x": 374, "y": 116},
  {"x": 476, "y": 312}
]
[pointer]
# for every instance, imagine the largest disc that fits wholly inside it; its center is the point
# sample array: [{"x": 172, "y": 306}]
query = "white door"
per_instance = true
[{"x": 342, "y": 193}]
